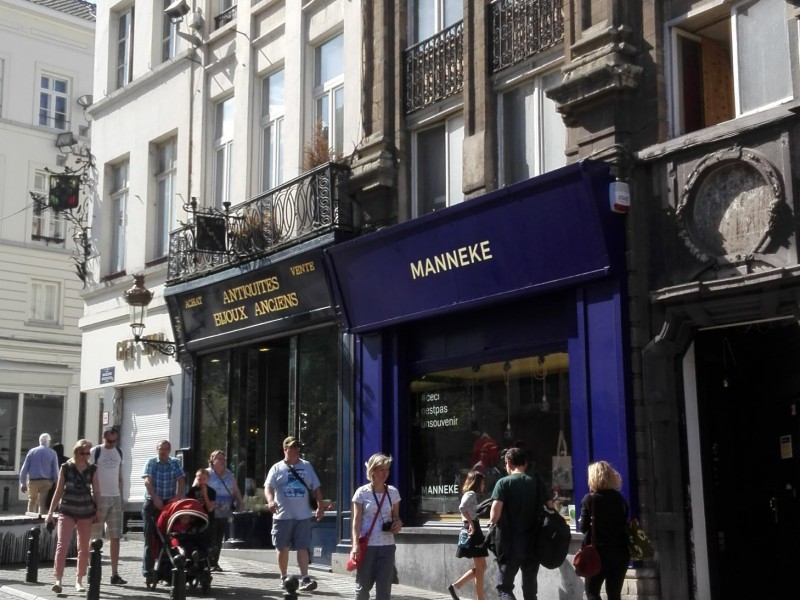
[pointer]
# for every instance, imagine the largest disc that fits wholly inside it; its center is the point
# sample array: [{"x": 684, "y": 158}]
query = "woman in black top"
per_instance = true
[{"x": 610, "y": 530}]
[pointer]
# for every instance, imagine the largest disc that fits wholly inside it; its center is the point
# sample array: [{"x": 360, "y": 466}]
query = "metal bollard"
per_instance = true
[
  {"x": 179, "y": 579},
  {"x": 5, "y": 499},
  {"x": 93, "y": 575},
  {"x": 290, "y": 585},
  {"x": 32, "y": 558}
]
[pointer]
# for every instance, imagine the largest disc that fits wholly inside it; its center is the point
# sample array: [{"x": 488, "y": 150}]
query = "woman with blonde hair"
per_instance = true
[
  {"x": 473, "y": 485},
  {"x": 608, "y": 509},
  {"x": 75, "y": 498},
  {"x": 376, "y": 511}
]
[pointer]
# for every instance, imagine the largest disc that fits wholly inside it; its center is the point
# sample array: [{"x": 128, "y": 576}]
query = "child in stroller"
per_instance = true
[{"x": 181, "y": 530}]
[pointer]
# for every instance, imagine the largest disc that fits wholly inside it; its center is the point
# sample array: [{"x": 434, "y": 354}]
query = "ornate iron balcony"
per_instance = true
[
  {"x": 225, "y": 17},
  {"x": 435, "y": 68},
  {"x": 298, "y": 210},
  {"x": 522, "y": 28}
]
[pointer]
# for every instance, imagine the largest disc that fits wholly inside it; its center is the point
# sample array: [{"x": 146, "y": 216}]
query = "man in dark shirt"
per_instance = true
[{"x": 516, "y": 502}]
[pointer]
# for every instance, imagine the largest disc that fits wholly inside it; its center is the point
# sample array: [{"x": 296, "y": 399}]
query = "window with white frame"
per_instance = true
[
  {"x": 329, "y": 93},
  {"x": 165, "y": 179},
  {"x": 124, "y": 50},
  {"x": 223, "y": 146},
  {"x": 47, "y": 225},
  {"x": 272, "y": 112},
  {"x": 169, "y": 35},
  {"x": 45, "y": 301},
  {"x": 119, "y": 202},
  {"x": 36, "y": 413},
  {"x": 729, "y": 61},
  {"x": 534, "y": 136},
  {"x": 438, "y": 166},
  {"x": 53, "y": 101},
  {"x": 432, "y": 16}
]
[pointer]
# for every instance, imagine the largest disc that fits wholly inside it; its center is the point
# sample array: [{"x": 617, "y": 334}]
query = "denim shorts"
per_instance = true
[{"x": 291, "y": 533}]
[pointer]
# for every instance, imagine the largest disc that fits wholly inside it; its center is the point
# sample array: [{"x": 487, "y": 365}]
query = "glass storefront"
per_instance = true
[
  {"x": 464, "y": 418},
  {"x": 41, "y": 413},
  {"x": 249, "y": 399}
]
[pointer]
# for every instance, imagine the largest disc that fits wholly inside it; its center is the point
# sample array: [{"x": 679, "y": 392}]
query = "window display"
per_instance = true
[{"x": 464, "y": 418}]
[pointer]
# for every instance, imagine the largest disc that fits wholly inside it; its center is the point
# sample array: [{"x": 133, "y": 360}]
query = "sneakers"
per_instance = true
[
  {"x": 79, "y": 586},
  {"x": 56, "y": 587},
  {"x": 283, "y": 581},
  {"x": 117, "y": 580},
  {"x": 308, "y": 584}
]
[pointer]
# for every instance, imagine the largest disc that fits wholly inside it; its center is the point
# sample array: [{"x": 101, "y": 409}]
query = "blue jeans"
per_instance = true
[
  {"x": 377, "y": 569},
  {"x": 518, "y": 560}
]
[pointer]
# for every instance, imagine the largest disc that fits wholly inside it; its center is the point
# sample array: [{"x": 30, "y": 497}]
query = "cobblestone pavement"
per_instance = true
[{"x": 242, "y": 579}]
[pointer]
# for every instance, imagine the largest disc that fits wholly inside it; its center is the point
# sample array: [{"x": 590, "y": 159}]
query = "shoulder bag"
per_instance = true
[
  {"x": 312, "y": 501},
  {"x": 363, "y": 541},
  {"x": 639, "y": 544},
  {"x": 587, "y": 560}
]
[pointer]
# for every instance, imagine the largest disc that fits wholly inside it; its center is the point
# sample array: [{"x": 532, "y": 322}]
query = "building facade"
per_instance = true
[{"x": 46, "y": 57}]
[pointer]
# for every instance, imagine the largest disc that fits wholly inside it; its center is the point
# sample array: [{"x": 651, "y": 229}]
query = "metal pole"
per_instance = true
[
  {"x": 94, "y": 573},
  {"x": 179, "y": 578},
  {"x": 32, "y": 557}
]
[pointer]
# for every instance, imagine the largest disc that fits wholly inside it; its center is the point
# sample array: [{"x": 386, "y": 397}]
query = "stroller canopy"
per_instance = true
[{"x": 173, "y": 511}]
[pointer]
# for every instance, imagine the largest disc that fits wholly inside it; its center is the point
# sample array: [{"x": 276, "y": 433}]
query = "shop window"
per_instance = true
[
  {"x": 729, "y": 61},
  {"x": 534, "y": 135},
  {"x": 41, "y": 413},
  {"x": 438, "y": 181},
  {"x": 464, "y": 418},
  {"x": 211, "y": 410}
]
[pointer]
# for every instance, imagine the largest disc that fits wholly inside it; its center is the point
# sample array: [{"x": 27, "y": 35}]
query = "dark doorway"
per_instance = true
[{"x": 748, "y": 387}]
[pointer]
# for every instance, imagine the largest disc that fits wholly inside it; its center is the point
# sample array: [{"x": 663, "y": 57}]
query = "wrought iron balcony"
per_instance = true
[
  {"x": 522, "y": 28},
  {"x": 298, "y": 210},
  {"x": 435, "y": 68},
  {"x": 225, "y": 17}
]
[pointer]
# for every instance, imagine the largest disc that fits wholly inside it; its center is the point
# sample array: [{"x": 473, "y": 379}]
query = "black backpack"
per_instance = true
[
  {"x": 552, "y": 539},
  {"x": 97, "y": 453}
]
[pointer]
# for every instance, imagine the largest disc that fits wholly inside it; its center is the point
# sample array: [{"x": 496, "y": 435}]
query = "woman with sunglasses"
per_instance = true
[{"x": 75, "y": 498}]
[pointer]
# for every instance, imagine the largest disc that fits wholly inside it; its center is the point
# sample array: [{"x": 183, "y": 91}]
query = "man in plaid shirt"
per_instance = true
[{"x": 164, "y": 480}]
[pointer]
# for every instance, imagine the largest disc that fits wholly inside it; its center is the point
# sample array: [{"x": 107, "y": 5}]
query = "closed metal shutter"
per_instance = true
[{"x": 144, "y": 424}]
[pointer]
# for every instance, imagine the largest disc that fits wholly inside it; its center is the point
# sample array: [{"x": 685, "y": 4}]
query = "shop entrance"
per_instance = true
[{"x": 748, "y": 398}]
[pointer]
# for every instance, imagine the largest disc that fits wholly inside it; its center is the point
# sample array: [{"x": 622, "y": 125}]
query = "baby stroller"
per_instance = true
[{"x": 181, "y": 531}]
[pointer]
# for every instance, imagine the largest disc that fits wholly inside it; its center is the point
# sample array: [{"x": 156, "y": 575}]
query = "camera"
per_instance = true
[{"x": 386, "y": 526}]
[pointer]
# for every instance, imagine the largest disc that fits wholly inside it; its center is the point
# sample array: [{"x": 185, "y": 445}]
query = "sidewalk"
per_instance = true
[{"x": 242, "y": 579}]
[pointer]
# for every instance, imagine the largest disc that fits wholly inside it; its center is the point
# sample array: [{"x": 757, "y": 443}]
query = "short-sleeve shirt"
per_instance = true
[
  {"x": 290, "y": 493},
  {"x": 369, "y": 501},
  {"x": 469, "y": 505},
  {"x": 197, "y": 493},
  {"x": 165, "y": 476},
  {"x": 519, "y": 494}
]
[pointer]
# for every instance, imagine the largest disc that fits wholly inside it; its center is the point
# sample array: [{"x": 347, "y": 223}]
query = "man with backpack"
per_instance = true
[
  {"x": 108, "y": 458},
  {"x": 517, "y": 500}
]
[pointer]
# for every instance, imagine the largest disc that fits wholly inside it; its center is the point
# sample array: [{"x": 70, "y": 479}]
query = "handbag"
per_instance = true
[
  {"x": 587, "y": 559},
  {"x": 639, "y": 544},
  {"x": 363, "y": 541},
  {"x": 562, "y": 465},
  {"x": 463, "y": 538},
  {"x": 312, "y": 501}
]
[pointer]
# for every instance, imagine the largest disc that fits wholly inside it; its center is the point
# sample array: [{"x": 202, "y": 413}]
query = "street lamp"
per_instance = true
[{"x": 138, "y": 298}]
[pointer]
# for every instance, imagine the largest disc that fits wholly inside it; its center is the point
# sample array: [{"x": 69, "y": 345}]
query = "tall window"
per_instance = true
[
  {"x": 169, "y": 37},
  {"x": 53, "y": 101},
  {"x": 463, "y": 418},
  {"x": 438, "y": 161},
  {"x": 119, "y": 203},
  {"x": 124, "y": 52},
  {"x": 272, "y": 111},
  {"x": 47, "y": 225},
  {"x": 329, "y": 92},
  {"x": 2, "y": 79},
  {"x": 534, "y": 135},
  {"x": 45, "y": 301},
  {"x": 40, "y": 412},
  {"x": 223, "y": 146},
  {"x": 729, "y": 61},
  {"x": 431, "y": 16},
  {"x": 165, "y": 196}
]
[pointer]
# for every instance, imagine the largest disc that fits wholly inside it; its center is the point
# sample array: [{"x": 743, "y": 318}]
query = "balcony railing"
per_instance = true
[
  {"x": 303, "y": 208},
  {"x": 435, "y": 68},
  {"x": 522, "y": 28},
  {"x": 225, "y": 17}
]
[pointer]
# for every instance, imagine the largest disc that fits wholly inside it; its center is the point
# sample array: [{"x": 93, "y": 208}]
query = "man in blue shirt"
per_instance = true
[
  {"x": 38, "y": 474},
  {"x": 164, "y": 480}
]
